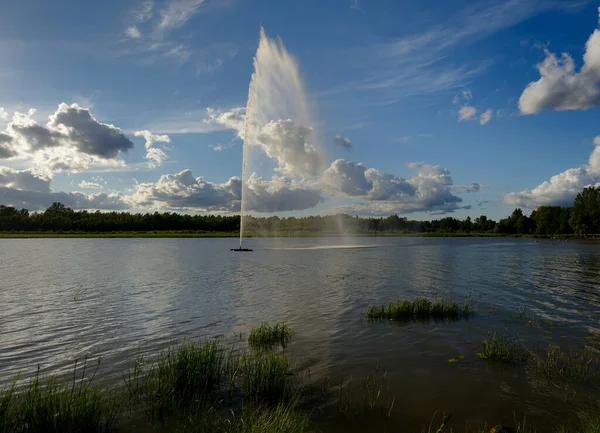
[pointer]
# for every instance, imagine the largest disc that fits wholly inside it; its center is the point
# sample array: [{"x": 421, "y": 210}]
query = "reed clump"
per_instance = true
[
  {"x": 267, "y": 336},
  {"x": 499, "y": 347},
  {"x": 574, "y": 365},
  {"x": 282, "y": 418},
  {"x": 46, "y": 404},
  {"x": 420, "y": 309},
  {"x": 267, "y": 379}
]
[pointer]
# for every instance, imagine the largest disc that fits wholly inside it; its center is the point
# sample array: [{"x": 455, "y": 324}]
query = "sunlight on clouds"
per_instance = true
[{"x": 560, "y": 86}]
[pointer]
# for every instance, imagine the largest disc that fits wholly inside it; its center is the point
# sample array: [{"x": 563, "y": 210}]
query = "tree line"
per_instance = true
[{"x": 582, "y": 218}]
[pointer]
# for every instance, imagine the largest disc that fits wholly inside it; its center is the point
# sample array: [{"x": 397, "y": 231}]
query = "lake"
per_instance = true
[{"x": 62, "y": 299}]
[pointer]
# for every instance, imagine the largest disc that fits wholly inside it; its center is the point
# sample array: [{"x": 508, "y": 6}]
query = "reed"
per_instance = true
[
  {"x": 268, "y": 336},
  {"x": 421, "y": 309},
  {"x": 499, "y": 347},
  {"x": 267, "y": 379},
  {"x": 51, "y": 405},
  {"x": 575, "y": 365}
]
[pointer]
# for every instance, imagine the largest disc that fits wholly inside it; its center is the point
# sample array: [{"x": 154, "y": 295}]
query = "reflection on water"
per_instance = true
[{"x": 66, "y": 298}]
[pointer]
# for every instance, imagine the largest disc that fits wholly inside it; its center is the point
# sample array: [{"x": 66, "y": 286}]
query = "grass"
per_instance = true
[
  {"x": 590, "y": 424},
  {"x": 283, "y": 418},
  {"x": 575, "y": 365},
  {"x": 267, "y": 378},
  {"x": 268, "y": 336},
  {"x": 498, "y": 347},
  {"x": 420, "y": 309},
  {"x": 50, "y": 405}
]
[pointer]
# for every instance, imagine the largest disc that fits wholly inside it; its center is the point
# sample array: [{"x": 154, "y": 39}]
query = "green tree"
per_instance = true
[{"x": 585, "y": 213}]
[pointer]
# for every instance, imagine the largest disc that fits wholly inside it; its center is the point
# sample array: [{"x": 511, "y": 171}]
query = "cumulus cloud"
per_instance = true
[
  {"x": 26, "y": 189},
  {"x": 232, "y": 119},
  {"x": 485, "y": 117},
  {"x": 344, "y": 142},
  {"x": 292, "y": 146},
  {"x": 184, "y": 191},
  {"x": 280, "y": 194},
  {"x": 428, "y": 190},
  {"x": 466, "y": 113},
  {"x": 560, "y": 86},
  {"x": 3, "y": 114},
  {"x": 71, "y": 140},
  {"x": 155, "y": 155},
  {"x": 562, "y": 188},
  {"x": 89, "y": 185}
]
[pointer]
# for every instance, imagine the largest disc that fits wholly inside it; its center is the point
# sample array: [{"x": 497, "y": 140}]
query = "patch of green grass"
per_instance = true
[
  {"x": 375, "y": 312},
  {"x": 267, "y": 378},
  {"x": 590, "y": 424},
  {"x": 283, "y": 418},
  {"x": 575, "y": 365},
  {"x": 498, "y": 347},
  {"x": 50, "y": 405},
  {"x": 268, "y": 336},
  {"x": 420, "y": 309}
]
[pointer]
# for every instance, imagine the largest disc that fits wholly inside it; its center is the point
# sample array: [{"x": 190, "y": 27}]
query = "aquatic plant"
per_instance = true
[
  {"x": 420, "y": 309},
  {"x": 499, "y": 347},
  {"x": 50, "y": 405},
  {"x": 375, "y": 312},
  {"x": 283, "y": 418},
  {"x": 575, "y": 365},
  {"x": 268, "y": 336},
  {"x": 267, "y": 378}
]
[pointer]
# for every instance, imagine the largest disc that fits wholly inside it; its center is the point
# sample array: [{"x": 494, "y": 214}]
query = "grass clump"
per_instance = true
[
  {"x": 577, "y": 366},
  {"x": 268, "y": 336},
  {"x": 49, "y": 405},
  {"x": 283, "y": 418},
  {"x": 420, "y": 309},
  {"x": 591, "y": 424},
  {"x": 181, "y": 375},
  {"x": 498, "y": 347},
  {"x": 267, "y": 379}
]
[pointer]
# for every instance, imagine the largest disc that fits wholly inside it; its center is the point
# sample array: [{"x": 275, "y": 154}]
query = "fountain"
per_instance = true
[{"x": 276, "y": 98}]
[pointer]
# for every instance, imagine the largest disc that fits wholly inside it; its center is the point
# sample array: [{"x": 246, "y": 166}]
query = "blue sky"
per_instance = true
[{"x": 461, "y": 108}]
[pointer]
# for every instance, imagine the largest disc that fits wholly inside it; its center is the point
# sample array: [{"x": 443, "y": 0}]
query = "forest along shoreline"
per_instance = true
[{"x": 581, "y": 221}]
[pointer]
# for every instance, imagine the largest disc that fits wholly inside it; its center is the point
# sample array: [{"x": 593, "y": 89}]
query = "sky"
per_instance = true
[{"x": 418, "y": 108}]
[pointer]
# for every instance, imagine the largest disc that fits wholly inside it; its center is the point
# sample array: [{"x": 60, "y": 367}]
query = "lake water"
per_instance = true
[{"x": 61, "y": 299}]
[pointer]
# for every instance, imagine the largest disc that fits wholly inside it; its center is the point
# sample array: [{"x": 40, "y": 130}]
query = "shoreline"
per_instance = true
[{"x": 204, "y": 234}]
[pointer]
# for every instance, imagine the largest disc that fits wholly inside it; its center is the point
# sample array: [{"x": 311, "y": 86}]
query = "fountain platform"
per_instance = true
[{"x": 241, "y": 249}]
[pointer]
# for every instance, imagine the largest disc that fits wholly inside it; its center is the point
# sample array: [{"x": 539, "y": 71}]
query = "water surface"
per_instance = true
[{"x": 63, "y": 299}]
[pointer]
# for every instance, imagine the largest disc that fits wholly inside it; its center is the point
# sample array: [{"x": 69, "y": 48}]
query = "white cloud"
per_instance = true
[
  {"x": 217, "y": 147},
  {"x": 562, "y": 188},
  {"x": 184, "y": 191},
  {"x": 467, "y": 95},
  {"x": 156, "y": 156},
  {"x": 25, "y": 189},
  {"x": 344, "y": 142},
  {"x": 144, "y": 12},
  {"x": 292, "y": 146},
  {"x": 467, "y": 113},
  {"x": 89, "y": 185},
  {"x": 560, "y": 86},
  {"x": 178, "y": 12},
  {"x": 485, "y": 117},
  {"x": 429, "y": 190},
  {"x": 231, "y": 119},
  {"x": 3, "y": 114},
  {"x": 71, "y": 140},
  {"x": 133, "y": 32}
]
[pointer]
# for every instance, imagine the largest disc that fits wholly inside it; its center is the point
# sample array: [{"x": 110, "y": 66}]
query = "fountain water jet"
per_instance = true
[{"x": 278, "y": 122}]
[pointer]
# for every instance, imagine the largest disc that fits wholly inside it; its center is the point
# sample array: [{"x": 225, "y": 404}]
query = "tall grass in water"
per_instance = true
[
  {"x": 283, "y": 418},
  {"x": 498, "y": 347},
  {"x": 182, "y": 374},
  {"x": 576, "y": 366},
  {"x": 267, "y": 378},
  {"x": 268, "y": 336},
  {"x": 49, "y": 405},
  {"x": 420, "y": 309}
]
